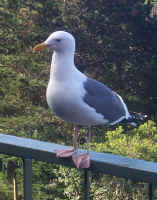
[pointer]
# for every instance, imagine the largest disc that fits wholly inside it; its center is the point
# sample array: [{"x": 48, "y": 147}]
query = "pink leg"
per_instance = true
[
  {"x": 83, "y": 160},
  {"x": 69, "y": 152},
  {"x": 80, "y": 161}
]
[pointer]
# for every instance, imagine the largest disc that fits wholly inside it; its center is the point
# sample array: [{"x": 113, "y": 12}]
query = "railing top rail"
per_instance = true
[{"x": 106, "y": 163}]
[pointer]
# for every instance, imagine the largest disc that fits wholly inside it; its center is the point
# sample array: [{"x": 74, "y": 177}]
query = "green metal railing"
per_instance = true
[{"x": 119, "y": 166}]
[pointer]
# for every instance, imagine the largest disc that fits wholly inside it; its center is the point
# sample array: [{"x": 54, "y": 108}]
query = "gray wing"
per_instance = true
[{"x": 104, "y": 100}]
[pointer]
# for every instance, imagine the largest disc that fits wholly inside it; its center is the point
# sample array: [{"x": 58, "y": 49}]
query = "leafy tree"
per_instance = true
[
  {"x": 115, "y": 44},
  {"x": 116, "y": 41}
]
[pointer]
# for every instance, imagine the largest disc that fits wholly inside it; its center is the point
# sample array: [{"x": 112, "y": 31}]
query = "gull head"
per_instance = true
[{"x": 59, "y": 41}]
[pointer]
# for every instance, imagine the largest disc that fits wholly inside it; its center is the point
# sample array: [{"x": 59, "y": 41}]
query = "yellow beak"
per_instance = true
[{"x": 39, "y": 47}]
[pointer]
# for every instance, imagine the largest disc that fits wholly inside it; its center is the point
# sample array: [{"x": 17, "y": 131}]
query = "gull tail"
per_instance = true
[{"x": 135, "y": 119}]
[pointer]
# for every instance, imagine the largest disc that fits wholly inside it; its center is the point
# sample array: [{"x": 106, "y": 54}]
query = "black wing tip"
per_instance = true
[
  {"x": 136, "y": 119},
  {"x": 139, "y": 117}
]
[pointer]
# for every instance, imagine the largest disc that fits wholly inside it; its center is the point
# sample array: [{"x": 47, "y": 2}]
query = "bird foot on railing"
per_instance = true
[{"x": 82, "y": 160}]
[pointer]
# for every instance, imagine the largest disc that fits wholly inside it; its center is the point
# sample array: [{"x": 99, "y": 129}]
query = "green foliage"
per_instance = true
[
  {"x": 136, "y": 143},
  {"x": 117, "y": 40},
  {"x": 115, "y": 44},
  {"x": 68, "y": 182}
]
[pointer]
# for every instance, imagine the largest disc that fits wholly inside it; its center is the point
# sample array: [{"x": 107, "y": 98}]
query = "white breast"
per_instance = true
[{"x": 66, "y": 100}]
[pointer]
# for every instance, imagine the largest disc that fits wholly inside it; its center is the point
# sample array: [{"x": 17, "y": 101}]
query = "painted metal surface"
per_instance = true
[
  {"x": 27, "y": 171},
  {"x": 119, "y": 166},
  {"x": 106, "y": 163}
]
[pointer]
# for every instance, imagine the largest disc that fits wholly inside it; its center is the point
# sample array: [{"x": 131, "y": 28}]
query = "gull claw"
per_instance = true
[
  {"x": 64, "y": 153},
  {"x": 81, "y": 161}
]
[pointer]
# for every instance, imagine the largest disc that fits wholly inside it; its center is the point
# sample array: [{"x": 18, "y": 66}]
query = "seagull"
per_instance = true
[{"x": 77, "y": 98}]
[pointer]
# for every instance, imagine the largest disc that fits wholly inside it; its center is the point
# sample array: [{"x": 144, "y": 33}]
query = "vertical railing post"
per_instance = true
[
  {"x": 27, "y": 169},
  {"x": 86, "y": 184},
  {"x": 151, "y": 191}
]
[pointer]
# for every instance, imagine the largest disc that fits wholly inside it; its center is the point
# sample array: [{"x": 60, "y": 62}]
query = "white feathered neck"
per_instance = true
[{"x": 63, "y": 67}]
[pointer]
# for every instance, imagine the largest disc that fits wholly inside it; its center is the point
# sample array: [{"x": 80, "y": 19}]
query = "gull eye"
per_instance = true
[{"x": 58, "y": 40}]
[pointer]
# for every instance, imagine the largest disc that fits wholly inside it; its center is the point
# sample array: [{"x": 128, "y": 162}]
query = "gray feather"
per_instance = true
[{"x": 104, "y": 100}]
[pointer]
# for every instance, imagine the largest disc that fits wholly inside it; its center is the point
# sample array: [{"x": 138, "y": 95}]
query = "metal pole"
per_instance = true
[
  {"x": 27, "y": 169},
  {"x": 151, "y": 191},
  {"x": 86, "y": 184}
]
